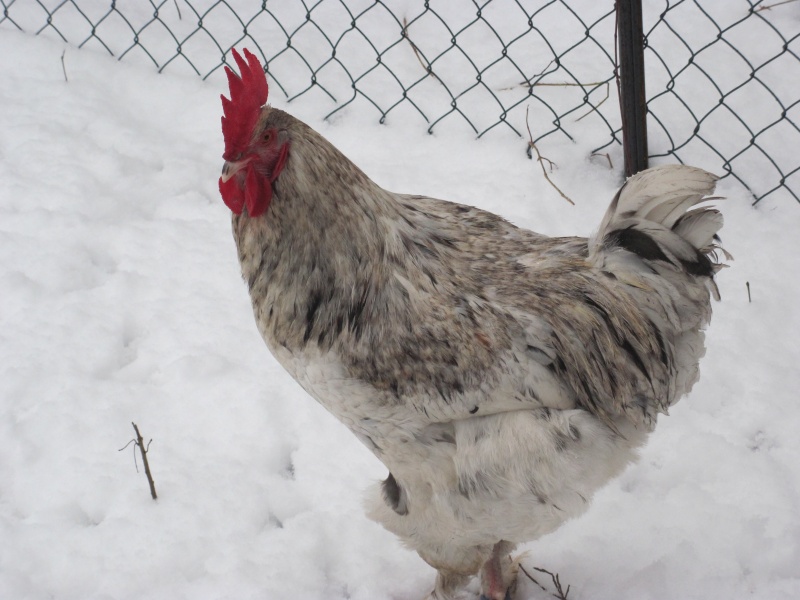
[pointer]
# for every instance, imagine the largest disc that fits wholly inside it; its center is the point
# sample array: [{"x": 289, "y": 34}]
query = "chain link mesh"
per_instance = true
[{"x": 716, "y": 99}]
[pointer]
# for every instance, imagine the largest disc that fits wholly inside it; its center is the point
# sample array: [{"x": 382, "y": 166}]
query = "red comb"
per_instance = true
[{"x": 248, "y": 94}]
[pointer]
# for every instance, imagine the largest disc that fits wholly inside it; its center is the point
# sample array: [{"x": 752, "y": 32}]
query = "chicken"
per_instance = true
[{"x": 502, "y": 376}]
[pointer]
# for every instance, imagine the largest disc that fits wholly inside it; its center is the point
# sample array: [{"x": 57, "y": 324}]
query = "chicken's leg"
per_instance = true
[{"x": 499, "y": 574}]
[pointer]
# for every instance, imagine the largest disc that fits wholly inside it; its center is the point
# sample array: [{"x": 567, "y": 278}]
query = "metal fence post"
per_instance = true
[{"x": 632, "y": 99}]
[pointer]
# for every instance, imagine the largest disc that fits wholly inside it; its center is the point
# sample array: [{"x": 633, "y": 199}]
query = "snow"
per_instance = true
[{"x": 122, "y": 302}]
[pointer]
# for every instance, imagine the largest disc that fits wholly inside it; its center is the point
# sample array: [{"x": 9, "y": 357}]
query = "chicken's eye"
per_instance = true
[{"x": 268, "y": 136}]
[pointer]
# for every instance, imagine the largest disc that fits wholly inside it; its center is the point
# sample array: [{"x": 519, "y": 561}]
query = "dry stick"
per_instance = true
[
  {"x": 143, "y": 450},
  {"x": 63, "y": 67},
  {"x": 427, "y": 67},
  {"x": 607, "y": 155},
  {"x": 532, "y": 578},
  {"x": 594, "y": 108},
  {"x": 560, "y": 593},
  {"x": 527, "y": 83},
  {"x": 770, "y": 6},
  {"x": 747, "y": 283},
  {"x": 564, "y": 84},
  {"x": 541, "y": 160}
]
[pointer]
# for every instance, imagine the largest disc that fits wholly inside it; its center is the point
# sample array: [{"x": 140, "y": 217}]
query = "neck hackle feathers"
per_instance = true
[{"x": 248, "y": 93}]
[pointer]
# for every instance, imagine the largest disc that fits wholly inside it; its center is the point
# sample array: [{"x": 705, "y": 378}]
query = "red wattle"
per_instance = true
[
  {"x": 257, "y": 193},
  {"x": 231, "y": 195}
]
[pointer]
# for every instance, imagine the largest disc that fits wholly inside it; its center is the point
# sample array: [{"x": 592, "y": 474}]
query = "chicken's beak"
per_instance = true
[{"x": 231, "y": 167}]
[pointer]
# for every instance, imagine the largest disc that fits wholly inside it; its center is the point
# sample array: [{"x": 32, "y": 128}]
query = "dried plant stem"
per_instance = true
[
  {"x": 541, "y": 160},
  {"x": 567, "y": 84},
  {"x": 770, "y": 6},
  {"x": 532, "y": 578},
  {"x": 143, "y": 450},
  {"x": 63, "y": 66},
  {"x": 139, "y": 441},
  {"x": 599, "y": 104},
  {"x": 607, "y": 157},
  {"x": 560, "y": 592},
  {"x": 540, "y": 84},
  {"x": 428, "y": 68}
]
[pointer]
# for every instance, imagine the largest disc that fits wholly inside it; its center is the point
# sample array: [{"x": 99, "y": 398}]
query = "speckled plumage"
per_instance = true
[{"x": 502, "y": 376}]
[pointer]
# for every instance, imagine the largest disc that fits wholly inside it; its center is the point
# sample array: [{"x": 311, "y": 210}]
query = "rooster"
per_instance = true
[{"x": 502, "y": 376}]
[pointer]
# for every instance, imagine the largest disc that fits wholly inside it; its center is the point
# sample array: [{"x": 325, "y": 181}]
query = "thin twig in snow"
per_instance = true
[
  {"x": 560, "y": 593},
  {"x": 428, "y": 68},
  {"x": 531, "y": 577},
  {"x": 771, "y": 6},
  {"x": 541, "y": 160},
  {"x": 63, "y": 67},
  {"x": 594, "y": 108},
  {"x": 527, "y": 82},
  {"x": 567, "y": 84},
  {"x": 139, "y": 441},
  {"x": 550, "y": 84},
  {"x": 607, "y": 157}
]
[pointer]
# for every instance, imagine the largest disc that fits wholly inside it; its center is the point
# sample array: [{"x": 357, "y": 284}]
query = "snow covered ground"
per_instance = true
[{"x": 120, "y": 301}]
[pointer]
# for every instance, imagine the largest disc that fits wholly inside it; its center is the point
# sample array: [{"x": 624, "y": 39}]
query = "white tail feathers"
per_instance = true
[
  {"x": 699, "y": 227},
  {"x": 660, "y": 195},
  {"x": 652, "y": 217}
]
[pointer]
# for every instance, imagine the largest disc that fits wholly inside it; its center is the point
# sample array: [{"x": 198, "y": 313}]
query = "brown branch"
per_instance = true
[
  {"x": 606, "y": 155},
  {"x": 562, "y": 84},
  {"x": 428, "y": 68},
  {"x": 532, "y": 578},
  {"x": 771, "y": 6},
  {"x": 567, "y": 84},
  {"x": 541, "y": 160},
  {"x": 139, "y": 441},
  {"x": 63, "y": 66},
  {"x": 527, "y": 82},
  {"x": 599, "y": 104},
  {"x": 560, "y": 593}
]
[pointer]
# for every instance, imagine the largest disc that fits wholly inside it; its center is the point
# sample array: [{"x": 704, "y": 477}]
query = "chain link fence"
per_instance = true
[{"x": 721, "y": 75}]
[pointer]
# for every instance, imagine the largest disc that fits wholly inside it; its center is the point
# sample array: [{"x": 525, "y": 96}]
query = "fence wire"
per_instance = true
[{"x": 716, "y": 98}]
